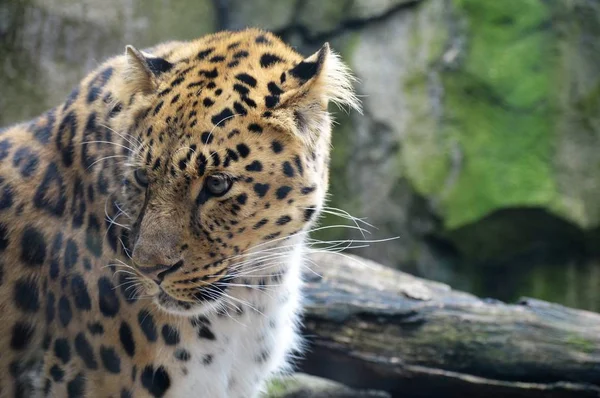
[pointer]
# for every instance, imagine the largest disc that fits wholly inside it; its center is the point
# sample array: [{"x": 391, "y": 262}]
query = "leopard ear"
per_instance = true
[
  {"x": 144, "y": 70},
  {"x": 311, "y": 85}
]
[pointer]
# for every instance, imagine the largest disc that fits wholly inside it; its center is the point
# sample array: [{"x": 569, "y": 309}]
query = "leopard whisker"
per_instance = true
[
  {"x": 124, "y": 264},
  {"x": 334, "y": 247},
  {"x": 121, "y": 209},
  {"x": 344, "y": 214},
  {"x": 105, "y": 158},
  {"x": 313, "y": 241},
  {"x": 112, "y": 221},
  {"x": 183, "y": 148},
  {"x": 354, "y": 259},
  {"x": 304, "y": 233},
  {"x": 277, "y": 252},
  {"x": 209, "y": 287},
  {"x": 221, "y": 121},
  {"x": 273, "y": 265},
  {"x": 248, "y": 266},
  {"x": 253, "y": 287},
  {"x": 134, "y": 285},
  {"x": 235, "y": 308},
  {"x": 124, "y": 271},
  {"x": 137, "y": 141},
  {"x": 107, "y": 143},
  {"x": 112, "y": 265},
  {"x": 125, "y": 249},
  {"x": 247, "y": 304},
  {"x": 259, "y": 267},
  {"x": 132, "y": 282}
]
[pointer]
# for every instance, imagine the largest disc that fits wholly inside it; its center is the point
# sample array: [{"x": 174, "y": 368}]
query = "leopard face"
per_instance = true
[{"x": 226, "y": 146}]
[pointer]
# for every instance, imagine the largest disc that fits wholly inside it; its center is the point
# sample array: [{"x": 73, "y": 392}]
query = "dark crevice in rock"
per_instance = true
[
  {"x": 511, "y": 251},
  {"x": 593, "y": 242},
  {"x": 12, "y": 18},
  {"x": 222, "y": 13},
  {"x": 505, "y": 235},
  {"x": 310, "y": 37},
  {"x": 299, "y": 7},
  {"x": 441, "y": 246}
]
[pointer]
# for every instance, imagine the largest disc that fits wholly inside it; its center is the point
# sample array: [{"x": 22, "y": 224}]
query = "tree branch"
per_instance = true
[{"x": 373, "y": 327}]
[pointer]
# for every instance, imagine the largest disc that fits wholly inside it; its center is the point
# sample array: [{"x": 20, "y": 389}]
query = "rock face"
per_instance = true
[{"x": 480, "y": 141}]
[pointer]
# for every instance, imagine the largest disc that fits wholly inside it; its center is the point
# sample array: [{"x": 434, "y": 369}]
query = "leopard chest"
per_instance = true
[{"x": 232, "y": 351}]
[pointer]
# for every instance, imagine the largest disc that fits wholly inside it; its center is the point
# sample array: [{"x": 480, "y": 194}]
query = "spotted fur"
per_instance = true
[{"x": 152, "y": 226}]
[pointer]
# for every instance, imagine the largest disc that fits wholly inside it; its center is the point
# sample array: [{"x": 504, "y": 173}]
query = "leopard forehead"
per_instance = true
[
  {"x": 219, "y": 78},
  {"x": 225, "y": 86},
  {"x": 223, "y": 91},
  {"x": 215, "y": 101}
]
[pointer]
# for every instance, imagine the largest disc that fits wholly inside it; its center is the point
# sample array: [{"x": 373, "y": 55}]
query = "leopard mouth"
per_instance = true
[
  {"x": 168, "y": 302},
  {"x": 194, "y": 300}
]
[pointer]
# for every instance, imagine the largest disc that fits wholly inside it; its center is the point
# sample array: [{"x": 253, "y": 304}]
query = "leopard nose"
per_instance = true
[
  {"x": 158, "y": 272},
  {"x": 154, "y": 262}
]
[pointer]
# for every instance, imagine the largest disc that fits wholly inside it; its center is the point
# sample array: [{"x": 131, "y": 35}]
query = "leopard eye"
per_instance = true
[
  {"x": 218, "y": 184},
  {"x": 141, "y": 177}
]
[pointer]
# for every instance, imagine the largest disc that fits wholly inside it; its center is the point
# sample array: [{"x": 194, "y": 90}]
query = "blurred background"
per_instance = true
[{"x": 479, "y": 146}]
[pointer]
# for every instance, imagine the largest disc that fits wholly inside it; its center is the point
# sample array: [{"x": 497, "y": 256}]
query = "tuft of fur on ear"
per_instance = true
[
  {"x": 338, "y": 81},
  {"x": 310, "y": 86},
  {"x": 325, "y": 77},
  {"x": 143, "y": 70}
]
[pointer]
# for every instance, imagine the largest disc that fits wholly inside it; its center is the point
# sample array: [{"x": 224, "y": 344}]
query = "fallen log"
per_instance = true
[{"x": 369, "y": 326}]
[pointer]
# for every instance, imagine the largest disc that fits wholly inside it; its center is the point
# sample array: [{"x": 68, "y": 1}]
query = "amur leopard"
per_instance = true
[{"x": 152, "y": 226}]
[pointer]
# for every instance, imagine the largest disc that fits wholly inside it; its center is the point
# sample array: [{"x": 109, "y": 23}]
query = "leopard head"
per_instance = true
[{"x": 230, "y": 140}]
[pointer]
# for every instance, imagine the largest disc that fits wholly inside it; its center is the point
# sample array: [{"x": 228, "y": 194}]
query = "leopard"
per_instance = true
[{"x": 154, "y": 226}]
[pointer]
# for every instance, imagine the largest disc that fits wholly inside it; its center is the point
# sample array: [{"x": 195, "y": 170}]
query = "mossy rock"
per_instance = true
[
  {"x": 499, "y": 108},
  {"x": 49, "y": 46},
  {"x": 506, "y": 117},
  {"x": 302, "y": 385}
]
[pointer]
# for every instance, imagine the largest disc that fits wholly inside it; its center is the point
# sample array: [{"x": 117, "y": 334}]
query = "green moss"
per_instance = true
[
  {"x": 181, "y": 20},
  {"x": 574, "y": 285},
  {"x": 587, "y": 106},
  {"x": 501, "y": 109},
  {"x": 425, "y": 157},
  {"x": 581, "y": 344},
  {"x": 276, "y": 388},
  {"x": 548, "y": 283}
]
